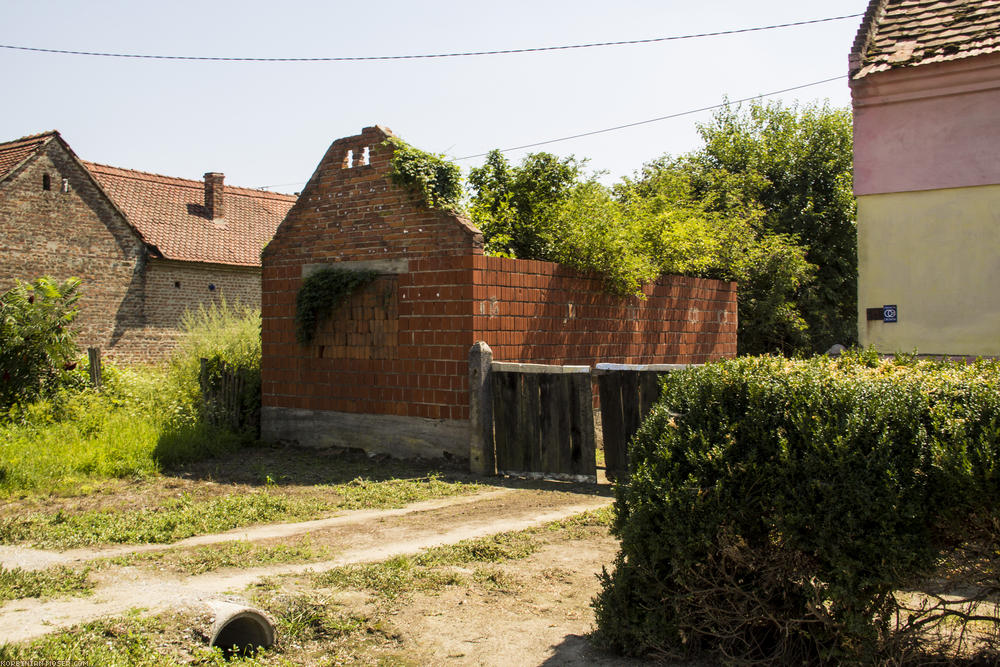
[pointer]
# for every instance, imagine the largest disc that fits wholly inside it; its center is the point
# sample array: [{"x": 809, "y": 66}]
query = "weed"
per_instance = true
[
  {"x": 16, "y": 584},
  {"x": 231, "y": 554},
  {"x": 178, "y": 519}
]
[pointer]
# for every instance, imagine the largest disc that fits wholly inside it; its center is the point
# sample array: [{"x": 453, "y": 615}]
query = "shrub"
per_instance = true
[
  {"x": 36, "y": 338},
  {"x": 774, "y": 508},
  {"x": 228, "y": 337}
]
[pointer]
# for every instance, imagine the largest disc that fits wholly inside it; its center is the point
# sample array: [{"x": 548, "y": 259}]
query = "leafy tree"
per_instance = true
[
  {"x": 36, "y": 340},
  {"x": 796, "y": 163},
  {"x": 515, "y": 205}
]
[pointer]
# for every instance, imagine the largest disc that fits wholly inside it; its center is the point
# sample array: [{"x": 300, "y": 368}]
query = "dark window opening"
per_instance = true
[
  {"x": 177, "y": 284},
  {"x": 211, "y": 287},
  {"x": 46, "y": 182}
]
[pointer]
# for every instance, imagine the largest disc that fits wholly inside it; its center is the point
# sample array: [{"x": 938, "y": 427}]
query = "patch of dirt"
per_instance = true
[{"x": 543, "y": 620}]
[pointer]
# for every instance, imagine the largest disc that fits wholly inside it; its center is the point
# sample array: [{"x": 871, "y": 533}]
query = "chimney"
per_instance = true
[{"x": 215, "y": 192}]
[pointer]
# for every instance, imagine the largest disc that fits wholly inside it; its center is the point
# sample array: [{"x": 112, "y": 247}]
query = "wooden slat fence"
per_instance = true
[
  {"x": 222, "y": 391},
  {"x": 628, "y": 393},
  {"x": 537, "y": 420},
  {"x": 543, "y": 422}
]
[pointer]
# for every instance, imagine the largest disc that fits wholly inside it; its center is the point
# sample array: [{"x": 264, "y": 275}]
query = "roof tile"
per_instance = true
[
  {"x": 908, "y": 33},
  {"x": 170, "y": 214}
]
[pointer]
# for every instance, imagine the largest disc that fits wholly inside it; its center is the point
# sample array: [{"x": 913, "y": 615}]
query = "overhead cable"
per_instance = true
[
  {"x": 102, "y": 54},
  {"x": 657, "y": 119}
]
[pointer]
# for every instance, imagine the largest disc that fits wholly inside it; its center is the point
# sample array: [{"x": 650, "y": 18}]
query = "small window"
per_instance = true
[
  {"x": 211, "y": 287},
  {"x": 46, "y": 182},
  {"x": 177, "y": 284}
]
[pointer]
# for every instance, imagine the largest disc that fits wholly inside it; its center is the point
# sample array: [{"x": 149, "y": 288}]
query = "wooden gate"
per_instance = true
[
  {"x": 628, "y": 393},
  {"x": 543, "y": 421},
  {"x": 537, "y": 420}
]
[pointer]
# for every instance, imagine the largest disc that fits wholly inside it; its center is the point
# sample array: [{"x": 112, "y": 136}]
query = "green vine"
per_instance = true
[
  {"x": 435, "y": 178},
  {"x": 321, "y": 294}
]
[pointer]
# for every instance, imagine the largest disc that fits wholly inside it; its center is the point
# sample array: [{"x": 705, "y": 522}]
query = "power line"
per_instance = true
[
  {"x": 628, "y": 125},
  {"x": 654, "y": 120},
  {"x": 538, "y": 49}
]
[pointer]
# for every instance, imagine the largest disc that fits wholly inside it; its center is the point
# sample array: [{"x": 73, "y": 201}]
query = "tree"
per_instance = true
[
  {"x": 514, "y": 206},
  {"x": 36, "y": 340},
  {"x": 796, "y": 163}
]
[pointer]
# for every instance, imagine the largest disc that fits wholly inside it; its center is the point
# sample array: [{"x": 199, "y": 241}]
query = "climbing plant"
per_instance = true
[
  {"x": 436, "y": 179},
  {"x": 321, "y": 294}
]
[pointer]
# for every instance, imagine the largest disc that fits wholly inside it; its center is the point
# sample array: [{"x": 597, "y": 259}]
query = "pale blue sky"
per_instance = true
[{"x": 270, "y": 123}]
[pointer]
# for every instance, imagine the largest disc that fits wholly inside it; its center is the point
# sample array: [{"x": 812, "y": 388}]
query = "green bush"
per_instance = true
[
  {"x": 36, "y": 338},
  {"x": 227, "y": 337},
  {"x": 775, "y": 508}
]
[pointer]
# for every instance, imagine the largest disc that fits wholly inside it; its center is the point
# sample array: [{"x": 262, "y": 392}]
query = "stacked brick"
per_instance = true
[{"x": 399, "y": 347}]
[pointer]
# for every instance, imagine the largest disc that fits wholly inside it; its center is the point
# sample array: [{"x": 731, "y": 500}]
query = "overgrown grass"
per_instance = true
[
  {"x": 141, "y": 420},
  {"x": 176, "y": 520},
  {"x": 179, "y": 518},
  {"x": 16, "y": 583},
  {"x": 136, "y": 425},
  {"x": 241, "y": 554}
]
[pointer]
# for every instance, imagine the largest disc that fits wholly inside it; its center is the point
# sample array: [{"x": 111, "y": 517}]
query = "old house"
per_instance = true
[
  {"x": 925, "y": 82},
  {"x": 147, "y": 247},
  {"x": 389, "y": 370}
]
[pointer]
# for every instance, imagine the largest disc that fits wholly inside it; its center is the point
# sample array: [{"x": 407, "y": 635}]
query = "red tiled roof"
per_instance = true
[
  {"x": 13, "y": 153},
  {"x": 170, "y": 214},
  {"x": 906, "y": 33}
]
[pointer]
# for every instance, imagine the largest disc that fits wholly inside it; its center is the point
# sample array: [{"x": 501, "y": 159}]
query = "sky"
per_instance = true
[{"x": 268, "y": 124}]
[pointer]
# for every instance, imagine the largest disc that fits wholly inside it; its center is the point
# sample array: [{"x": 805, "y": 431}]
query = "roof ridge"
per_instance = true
[
  {"x": 865, "y": 35},
  {"x": 31, "y": 137},
  {"x": 138, "y": 174}
]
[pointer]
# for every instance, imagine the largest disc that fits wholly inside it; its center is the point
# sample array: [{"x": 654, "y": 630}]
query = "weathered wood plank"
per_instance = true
[
  {"x": 527, "y": 425},
  {"x": 630, "y": 405},
  {"x": 609, "y": 387},
  {"x": 649, "y": 392},
  {"x": 482, "y": 456},
  {"x": 583, "y": 452},
  {"x": 504, "y": 416},
  {"x": 554, "y": 420}
]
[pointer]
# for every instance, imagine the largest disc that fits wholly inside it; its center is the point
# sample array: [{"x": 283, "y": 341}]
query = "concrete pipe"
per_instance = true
[{"x": 238, "y": 629}]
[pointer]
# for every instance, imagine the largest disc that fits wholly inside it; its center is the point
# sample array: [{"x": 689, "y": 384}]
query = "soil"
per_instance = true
[{"x": 543, "y": 622}]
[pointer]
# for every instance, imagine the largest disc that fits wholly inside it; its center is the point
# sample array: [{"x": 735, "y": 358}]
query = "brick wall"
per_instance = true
[
  {"x": 171, "y": 289},
  {"x": 399, "y": 348},
  {"x": 540, "y": 312},
  {"x": 72, "y": 231}
]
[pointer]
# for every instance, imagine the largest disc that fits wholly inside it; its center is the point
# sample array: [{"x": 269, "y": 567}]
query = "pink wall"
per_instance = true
[{"x": 928, "y": 127}]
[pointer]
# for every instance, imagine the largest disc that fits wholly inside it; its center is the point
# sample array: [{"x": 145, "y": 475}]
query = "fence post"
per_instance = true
[
  {"x": 94, "y": 357},
  {"x": 481, "y": 456}
]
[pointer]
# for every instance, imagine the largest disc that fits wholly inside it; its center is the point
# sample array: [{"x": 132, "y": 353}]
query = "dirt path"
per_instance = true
[
  {"x": 355, "y": 537},
  {"x": 27, "y": 558}
]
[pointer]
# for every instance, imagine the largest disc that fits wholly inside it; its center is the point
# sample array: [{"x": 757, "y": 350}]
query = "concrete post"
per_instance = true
[{"x": 482, "y": 460}]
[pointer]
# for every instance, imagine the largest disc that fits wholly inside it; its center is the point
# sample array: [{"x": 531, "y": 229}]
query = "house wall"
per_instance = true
[
  {"x": 73, "y": 233},
  {"x": 927, "y": 179},
  {"x": 173, "y": 288},
  {"x": 388, "y": 372},
  {"x": 130, "y": 306},
  {"x": 934, "y": 255}
]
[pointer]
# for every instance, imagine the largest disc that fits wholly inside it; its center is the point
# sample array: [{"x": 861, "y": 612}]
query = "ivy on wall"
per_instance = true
[
  {"x": 436, "y": 179},
  {"x": 321, "y": 294}
]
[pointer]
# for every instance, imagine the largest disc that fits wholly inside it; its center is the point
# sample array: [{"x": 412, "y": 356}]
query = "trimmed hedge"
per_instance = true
[{"x": 774, "y": 507}]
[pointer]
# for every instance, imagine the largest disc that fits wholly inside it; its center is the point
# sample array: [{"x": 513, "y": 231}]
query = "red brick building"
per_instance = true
[
  {"x": 147, "y": 247},
  {"x": 388, "y": 372}
]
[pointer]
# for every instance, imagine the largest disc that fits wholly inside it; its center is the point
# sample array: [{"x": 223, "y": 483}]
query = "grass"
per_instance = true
[
  {"x": 16, "y": 584},
  {"x": 174, "y": 521},
  {"x": 239, "y": 554}
]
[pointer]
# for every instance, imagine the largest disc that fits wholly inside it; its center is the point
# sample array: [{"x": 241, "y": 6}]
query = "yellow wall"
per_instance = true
[{"x": 936, "y": 255}]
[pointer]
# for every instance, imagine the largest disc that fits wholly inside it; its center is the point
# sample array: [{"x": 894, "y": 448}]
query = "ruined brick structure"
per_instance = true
[
  {"x": 146, "y": 247},
  {"x": 388, "y": 372}
]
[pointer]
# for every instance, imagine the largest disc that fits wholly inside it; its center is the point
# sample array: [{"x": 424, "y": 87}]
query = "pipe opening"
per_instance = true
[{"x": 243, "y": 633}]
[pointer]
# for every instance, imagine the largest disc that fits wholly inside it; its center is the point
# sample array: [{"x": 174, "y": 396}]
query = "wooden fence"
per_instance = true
[
  {"x": 224, "y": 399},
  {"x": 537, "y": 420}
]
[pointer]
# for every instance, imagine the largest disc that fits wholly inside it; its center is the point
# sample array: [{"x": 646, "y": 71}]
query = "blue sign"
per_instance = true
[{"x": 889, "y": 313}]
